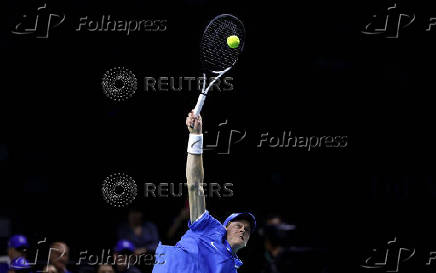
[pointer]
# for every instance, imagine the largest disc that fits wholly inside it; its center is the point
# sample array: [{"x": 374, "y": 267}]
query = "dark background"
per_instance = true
[{"x": 306, "y": 67}]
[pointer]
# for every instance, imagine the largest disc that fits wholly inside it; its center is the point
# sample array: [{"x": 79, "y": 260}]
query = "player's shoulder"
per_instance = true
[
  {"x": 205, "y": 217},
  {"x": 206, "y": 222}
]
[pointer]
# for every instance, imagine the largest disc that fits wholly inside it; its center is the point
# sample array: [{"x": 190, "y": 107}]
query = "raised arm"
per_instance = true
[{"x": 194, "y": 167}]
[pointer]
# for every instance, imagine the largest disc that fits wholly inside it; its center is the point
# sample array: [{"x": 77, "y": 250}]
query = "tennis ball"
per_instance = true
[{"x": 233, "y": 41}]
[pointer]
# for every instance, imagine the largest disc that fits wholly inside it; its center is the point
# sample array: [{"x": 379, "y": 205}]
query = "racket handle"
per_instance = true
[
  {"x": 202, "y": 96},
  {"x": 198, "y": 106}
]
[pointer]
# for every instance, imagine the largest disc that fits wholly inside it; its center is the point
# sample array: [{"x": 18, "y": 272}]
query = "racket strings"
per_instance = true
[{"x": 216, "y": 54}]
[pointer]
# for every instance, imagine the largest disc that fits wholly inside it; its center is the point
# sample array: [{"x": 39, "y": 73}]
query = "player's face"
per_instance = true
[{"x": 238, "y": 233}]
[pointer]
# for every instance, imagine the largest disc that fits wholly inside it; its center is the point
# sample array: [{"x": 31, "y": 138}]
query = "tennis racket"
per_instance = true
[{"x": 217, "y": 57}]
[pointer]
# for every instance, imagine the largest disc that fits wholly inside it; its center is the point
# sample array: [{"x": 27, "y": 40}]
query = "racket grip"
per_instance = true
[
  {"x": 199, "y": 106},
  {"x": 202, "y": 96}
]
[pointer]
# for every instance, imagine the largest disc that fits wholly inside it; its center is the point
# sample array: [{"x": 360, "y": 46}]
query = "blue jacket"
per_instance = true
[{"x": 203, "y": 249}]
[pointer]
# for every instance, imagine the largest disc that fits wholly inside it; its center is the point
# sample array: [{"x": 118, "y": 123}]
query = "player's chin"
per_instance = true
[{"x": 241, "y": 242}]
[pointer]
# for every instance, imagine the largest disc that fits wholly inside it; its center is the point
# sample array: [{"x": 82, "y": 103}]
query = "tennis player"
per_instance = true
[{"x": 208, "y": 246}]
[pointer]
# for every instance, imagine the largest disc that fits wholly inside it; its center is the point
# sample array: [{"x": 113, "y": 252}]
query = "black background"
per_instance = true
[{"x": 306, "y": 68}]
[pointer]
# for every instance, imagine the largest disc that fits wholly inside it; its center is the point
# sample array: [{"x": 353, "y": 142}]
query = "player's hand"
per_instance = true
[{"x": 196, "y": 122}]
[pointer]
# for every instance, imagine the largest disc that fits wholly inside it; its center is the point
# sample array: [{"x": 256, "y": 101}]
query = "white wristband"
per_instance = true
[{"x": 195, "y": 144}]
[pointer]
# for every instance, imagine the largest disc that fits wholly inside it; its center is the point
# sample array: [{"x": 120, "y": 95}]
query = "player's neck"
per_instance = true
[{"x": 235, "y": 249}]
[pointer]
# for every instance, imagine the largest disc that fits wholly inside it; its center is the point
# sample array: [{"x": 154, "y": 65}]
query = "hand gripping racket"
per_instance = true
[{"x": 217, "y": 55}]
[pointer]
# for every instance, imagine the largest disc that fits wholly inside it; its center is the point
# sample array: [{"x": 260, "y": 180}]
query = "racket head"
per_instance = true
[{"x": 215, "y": 54}]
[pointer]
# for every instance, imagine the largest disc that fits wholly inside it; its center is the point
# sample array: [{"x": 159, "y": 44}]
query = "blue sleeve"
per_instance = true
[
  {"x": 205, "y": 224},
  {"x": 171, "y": 259}
]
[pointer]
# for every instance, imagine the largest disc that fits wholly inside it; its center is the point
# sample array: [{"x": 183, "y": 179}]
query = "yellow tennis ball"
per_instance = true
[{"x": 233, "y": 41}]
